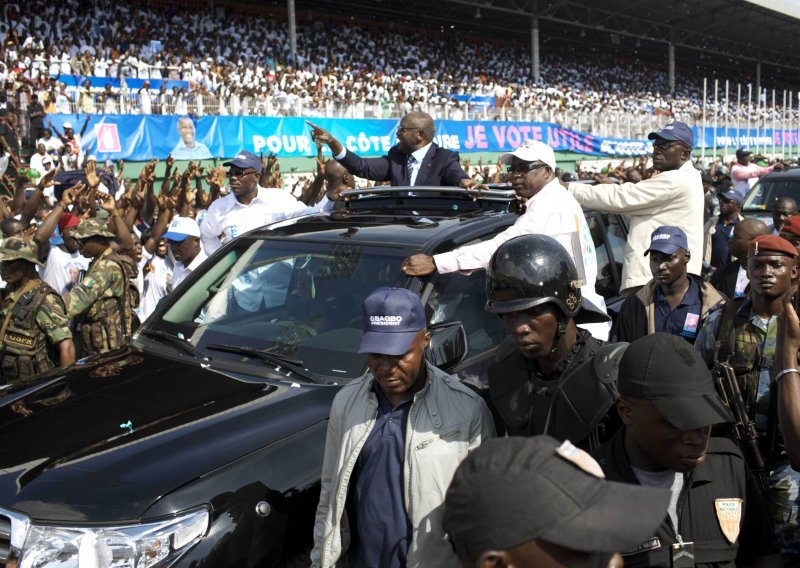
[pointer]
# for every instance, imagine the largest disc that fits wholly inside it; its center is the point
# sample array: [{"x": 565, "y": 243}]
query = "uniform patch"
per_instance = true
[
  {"x": 18, "y": 340},
  {"x": 729, "y": 515},
  {"x": 580, "y": 458},
  {"x": 650, "y": 544}
]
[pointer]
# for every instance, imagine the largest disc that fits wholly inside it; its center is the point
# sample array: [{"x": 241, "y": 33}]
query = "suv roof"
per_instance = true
[{"x": 403, "y": 217}]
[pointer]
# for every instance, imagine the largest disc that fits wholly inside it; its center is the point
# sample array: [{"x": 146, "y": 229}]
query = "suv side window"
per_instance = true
[{"x": 462, "y": 297}]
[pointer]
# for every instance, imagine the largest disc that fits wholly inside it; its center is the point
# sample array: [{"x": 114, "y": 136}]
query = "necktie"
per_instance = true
[{"x": 410, "y": 168}]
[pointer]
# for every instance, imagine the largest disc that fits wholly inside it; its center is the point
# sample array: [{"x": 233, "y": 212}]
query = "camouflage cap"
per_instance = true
[
  {"x": 92, "y": 228},
  {"x": 14, "y": 248}
]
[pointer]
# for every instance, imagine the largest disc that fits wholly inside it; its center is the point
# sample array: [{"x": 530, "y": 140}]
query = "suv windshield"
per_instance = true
[
  {"x": 764, "y": 193},
  {"x": 297, "y": 300}
]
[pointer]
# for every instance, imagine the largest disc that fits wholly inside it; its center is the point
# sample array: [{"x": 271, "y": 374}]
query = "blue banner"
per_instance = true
[{"x": 139, "y": 138}]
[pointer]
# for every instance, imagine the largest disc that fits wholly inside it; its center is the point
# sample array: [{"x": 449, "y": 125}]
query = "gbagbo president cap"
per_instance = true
[
  {"x": 532, "y": 151},
  {"x": 392, "y": 318}
]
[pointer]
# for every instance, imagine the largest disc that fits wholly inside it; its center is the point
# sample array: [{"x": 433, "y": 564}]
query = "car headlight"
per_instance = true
[{"x": 130, "y": 546}]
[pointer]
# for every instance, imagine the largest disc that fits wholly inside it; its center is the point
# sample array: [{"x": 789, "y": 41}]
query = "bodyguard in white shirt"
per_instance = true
[
  {"x": 248, "y": 205},
  {"x": 549, "y": 210}
]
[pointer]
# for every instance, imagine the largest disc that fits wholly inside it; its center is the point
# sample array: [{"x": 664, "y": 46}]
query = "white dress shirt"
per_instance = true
[
  {"x": 227, "y": 218},
  {"x": 419, "y": 155},
  {"x": 180, "y": 272},
  {"x": 553, "y": 212}
]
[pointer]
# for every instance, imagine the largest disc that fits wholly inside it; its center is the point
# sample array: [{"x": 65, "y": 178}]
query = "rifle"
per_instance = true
[{"x": 744, "y": 430}]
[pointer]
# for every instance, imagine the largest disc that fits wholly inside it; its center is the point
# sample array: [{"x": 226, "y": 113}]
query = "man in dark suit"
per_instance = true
[
  {"x": 415, "y": 160},
  {"x": 731, "y": 280}
]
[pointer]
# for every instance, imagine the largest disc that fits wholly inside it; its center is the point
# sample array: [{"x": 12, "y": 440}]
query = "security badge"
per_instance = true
[{"x": 729, "y": 515}]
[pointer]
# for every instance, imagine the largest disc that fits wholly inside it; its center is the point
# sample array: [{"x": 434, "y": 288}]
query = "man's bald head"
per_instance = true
[
  {"x": 337, "y": 177},
  {"x": 744, "y": 232}
]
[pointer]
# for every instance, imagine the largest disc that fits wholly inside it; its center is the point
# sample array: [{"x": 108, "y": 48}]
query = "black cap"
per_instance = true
[
  {"x": 245, "y": 159},
  {"x": 512, "y": 490},
  {"x": 742, "y": 152},
  {"x": 666, "y": 370}
]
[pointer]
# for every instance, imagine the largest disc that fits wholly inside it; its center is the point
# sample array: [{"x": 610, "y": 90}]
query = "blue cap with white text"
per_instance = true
[
  {"x": 244, "y": 160},
  {"x": 392, "y": 318},
  {"x": 667, "y": 239},
  {"x": 675, "y": 130}
]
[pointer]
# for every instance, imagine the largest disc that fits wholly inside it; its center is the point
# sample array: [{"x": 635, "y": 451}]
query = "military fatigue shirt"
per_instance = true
[
  {"x": 51, "y": 317},
  {"x": 104, "y": 279}
]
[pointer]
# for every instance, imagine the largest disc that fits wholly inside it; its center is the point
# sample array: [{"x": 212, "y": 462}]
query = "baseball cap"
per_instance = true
[
  {"x": 666, "y": 370},
  {"x": 675, "y": 130},
  {"x": 182, "y": 227},
  {"x": 731, "y": 196},
  {"x": 742, "y": 152},
  {"x": 245, "y": 159},
  {"x": 532, "y": 151},
  {"x": 67, "y": 125},
  {"x": 667, "y": 239},
  {"x": 510, "y": 491},
  {"x": 770, "y": 245},
  {"x": 14, "y": 248},
  {"x": 392, "y": 318}
]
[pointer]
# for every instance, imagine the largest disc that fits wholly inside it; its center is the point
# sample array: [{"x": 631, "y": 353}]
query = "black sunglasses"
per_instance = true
[{"x": 513, "y": 168}]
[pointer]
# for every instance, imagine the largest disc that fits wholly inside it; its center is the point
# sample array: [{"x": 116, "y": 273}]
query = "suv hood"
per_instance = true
[{"x": 120, "y": 429}]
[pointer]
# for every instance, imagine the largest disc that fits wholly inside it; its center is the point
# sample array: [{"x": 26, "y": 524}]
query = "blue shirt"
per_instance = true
[
  {"x": 684, "y": 320},
  {"x": 380, "y": 527},
  {"x": 720, "y": 255}
]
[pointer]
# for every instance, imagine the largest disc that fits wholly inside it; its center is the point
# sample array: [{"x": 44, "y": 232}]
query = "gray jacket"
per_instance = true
[{"x": 446, "y": 421}]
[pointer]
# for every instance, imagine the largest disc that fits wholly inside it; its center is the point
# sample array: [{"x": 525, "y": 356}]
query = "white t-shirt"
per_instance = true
[
  {"x": 156, "y": 284},
  {"x": 63, "y": 269}
]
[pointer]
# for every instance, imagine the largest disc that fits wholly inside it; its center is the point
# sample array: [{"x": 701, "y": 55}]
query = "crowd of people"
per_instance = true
[
  {"x": 230, "y": 63},
  {"x": 87, "y": 253}
]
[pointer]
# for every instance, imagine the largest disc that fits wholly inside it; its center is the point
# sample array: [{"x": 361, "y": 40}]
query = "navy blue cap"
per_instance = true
[
  {"x": 731, "y": 196},
  {"x": 742, "y": 152},
  {"x": 392, "y": 318},
  {"x": 675, "y": 130},
  {"x": 668, "y": 239},
  {"x": 245, "y": 159}
]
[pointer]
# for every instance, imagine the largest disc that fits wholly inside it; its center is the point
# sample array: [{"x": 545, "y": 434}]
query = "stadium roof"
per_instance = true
[{"x": 738, "y": 29}]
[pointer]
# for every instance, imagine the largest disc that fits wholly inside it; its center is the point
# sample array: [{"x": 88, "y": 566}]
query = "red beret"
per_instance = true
[
  {"x": 68, "y": 220},
  {"x": 770, "y": 245},
  {"x": 792, "y": 225}
]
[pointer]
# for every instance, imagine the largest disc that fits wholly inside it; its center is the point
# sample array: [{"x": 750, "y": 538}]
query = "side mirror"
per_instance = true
[{"x": 448, "y": 346}]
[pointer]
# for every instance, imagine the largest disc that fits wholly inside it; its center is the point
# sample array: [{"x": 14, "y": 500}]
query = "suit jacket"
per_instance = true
[
  {"x": 439, "y": 167},
  {"x": 724, "y": 279}
]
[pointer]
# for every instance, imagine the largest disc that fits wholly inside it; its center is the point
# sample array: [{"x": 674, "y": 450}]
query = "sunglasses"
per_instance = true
[
  {"x": 240, "y": 173},
  {"x": 522, "y": 168}
]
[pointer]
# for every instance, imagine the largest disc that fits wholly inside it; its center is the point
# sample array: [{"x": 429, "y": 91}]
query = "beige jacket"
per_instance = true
[
  {"x": 446, "y": 421},
  {"x": 673, "y": 198}
]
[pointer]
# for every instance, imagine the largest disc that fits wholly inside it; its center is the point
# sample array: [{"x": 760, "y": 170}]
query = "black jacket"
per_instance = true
[
  {"x": 439, "y": 167},
  {"x": 720, "y": 477},
  {"x": 724, "y": 279}
]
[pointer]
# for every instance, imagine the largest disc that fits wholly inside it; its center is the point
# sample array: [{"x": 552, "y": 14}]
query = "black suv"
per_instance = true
[{"x": 201, "y": 444}]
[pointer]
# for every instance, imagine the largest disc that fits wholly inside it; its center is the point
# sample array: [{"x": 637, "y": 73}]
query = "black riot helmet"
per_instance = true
[{"x": 530, "y": 270}]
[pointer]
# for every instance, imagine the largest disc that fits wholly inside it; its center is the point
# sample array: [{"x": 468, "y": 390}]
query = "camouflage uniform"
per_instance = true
[
  {"x": 34, "y": 321},
  {"x": 754, "y": 336},
  {"x": 101, "y": 302}
]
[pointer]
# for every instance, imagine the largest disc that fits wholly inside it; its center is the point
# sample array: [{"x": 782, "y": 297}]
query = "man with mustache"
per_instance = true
[
  {"x": 674, "y": 301},
  {"x": 744, "y": 334}
]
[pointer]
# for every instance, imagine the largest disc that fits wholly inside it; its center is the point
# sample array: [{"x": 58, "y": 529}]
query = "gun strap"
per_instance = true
[{"x": 726, "y": 337}]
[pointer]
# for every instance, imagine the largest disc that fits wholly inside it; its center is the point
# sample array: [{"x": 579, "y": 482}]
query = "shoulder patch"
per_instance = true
[{"x": 729, "y": 516}]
